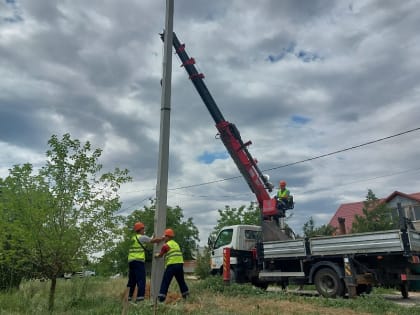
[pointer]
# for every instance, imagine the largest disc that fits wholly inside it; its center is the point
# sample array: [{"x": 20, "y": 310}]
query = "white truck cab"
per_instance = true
[{"x": 239, "y": 237}]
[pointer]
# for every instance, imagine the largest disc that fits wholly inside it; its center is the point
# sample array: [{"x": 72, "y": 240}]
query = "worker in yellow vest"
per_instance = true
[
  {"x": 136, "y": 262},
  {"x": 174, "y": 266},
  {"x": 282, "y": 196}
]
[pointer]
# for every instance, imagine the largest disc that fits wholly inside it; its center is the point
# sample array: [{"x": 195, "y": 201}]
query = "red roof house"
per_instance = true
[{"x": 409, "y": 202}]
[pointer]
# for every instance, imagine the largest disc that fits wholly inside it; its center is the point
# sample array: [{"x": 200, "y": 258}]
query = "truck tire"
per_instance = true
[{"x": 328, "y": 283}]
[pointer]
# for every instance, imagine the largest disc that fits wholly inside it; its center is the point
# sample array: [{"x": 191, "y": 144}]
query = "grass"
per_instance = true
[{"x": 97, "y": 295}]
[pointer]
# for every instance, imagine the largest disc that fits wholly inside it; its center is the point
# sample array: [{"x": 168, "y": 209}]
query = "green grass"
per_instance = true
[{"x": 97, "y": 295}]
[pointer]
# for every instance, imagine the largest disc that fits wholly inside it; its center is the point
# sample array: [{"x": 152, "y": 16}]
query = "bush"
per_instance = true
[
  {"x": 202, "y": 269},
  {"x": 10, "y": 278}
]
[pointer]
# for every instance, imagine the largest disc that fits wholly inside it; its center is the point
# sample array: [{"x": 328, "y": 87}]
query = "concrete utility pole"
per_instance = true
[{"x": 162, "y": 180}]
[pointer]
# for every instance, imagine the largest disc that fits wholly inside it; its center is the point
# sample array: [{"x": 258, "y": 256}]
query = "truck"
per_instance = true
[{"x": 350, "y": 264}]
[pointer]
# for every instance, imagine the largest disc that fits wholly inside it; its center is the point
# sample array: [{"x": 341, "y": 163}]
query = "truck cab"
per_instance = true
[{"x": 236, "y": 237}]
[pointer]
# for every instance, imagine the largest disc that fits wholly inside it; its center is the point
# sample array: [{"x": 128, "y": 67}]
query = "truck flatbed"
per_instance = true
[{"x": 375, "y": 243}]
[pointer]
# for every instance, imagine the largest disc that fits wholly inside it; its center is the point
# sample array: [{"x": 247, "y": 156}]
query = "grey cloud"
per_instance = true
[{"x": 92, "y": 68}]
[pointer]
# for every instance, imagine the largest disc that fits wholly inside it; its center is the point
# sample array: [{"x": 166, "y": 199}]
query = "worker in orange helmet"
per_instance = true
[
  {"x": 174, "y": 266},
  {"x": 283, "y": 195},
  {"x": 136, "y": 262}
]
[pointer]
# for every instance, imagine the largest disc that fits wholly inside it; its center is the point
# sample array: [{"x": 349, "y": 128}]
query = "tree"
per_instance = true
[
  {"x": 186, "y": 235},
  {"x": 377, "y": 216},
  {"x": 232, "y": 216},
  {"x": 309, "y": 229},
  {"x": 23, "y": 201},
  {"x": 243, "y": 215},
  {"x": 14, "y": 260},
  {"x": 66, "y": 212}
]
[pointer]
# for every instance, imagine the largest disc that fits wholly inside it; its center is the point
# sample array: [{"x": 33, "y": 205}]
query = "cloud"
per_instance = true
[{"x": 299, "y": 79}]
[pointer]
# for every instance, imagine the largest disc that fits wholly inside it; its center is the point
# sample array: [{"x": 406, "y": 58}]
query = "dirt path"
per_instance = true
[{"x": 413, "y": 297}]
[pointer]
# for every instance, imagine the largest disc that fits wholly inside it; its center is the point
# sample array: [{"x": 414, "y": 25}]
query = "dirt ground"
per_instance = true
[{"x": 413, "y": 298}]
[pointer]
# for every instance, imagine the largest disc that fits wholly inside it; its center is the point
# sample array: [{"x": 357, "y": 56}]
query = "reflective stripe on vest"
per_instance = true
[
  {"x": 283, "y": 194},
  {"x": 174, "y": 255},
  {"x": 136, "y": 252}
]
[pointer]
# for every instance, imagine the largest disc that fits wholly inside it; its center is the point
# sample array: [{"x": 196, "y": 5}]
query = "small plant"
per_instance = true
[{"x": 202, "y": 269}]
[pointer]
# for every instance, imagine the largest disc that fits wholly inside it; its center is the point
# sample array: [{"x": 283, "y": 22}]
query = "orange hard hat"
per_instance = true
[
  {"x": 138, "y": 226},
  {"x": 169, "y": 232},
  {"x": 282, "y": 183}
]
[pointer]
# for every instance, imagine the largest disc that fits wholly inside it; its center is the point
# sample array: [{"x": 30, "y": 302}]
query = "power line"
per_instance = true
[
  {"x": 306, "y": 191},
  {"x": 298, "y": 162},
  {"x": 343, "y": 150},
  {"x": 363, "y": 180},
  {"x": 303, "y": 161},
  {"x": 131, "y": 205}
]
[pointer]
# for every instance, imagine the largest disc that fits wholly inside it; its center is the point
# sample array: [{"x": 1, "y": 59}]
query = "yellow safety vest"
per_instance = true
[
  {"x": 174, "y": 255},
  {"x": 283, "y": 194},
  {"x": 136, "y": 251}
]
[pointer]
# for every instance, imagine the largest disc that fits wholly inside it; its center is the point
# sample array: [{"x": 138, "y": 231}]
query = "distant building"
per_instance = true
[{"x": 410, "y": 204}]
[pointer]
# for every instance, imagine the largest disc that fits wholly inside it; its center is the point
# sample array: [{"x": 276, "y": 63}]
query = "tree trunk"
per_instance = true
[{"x": 52, "y": 294}]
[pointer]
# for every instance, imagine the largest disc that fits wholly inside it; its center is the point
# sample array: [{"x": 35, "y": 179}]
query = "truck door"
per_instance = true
[{"x": 224, "y": 239}]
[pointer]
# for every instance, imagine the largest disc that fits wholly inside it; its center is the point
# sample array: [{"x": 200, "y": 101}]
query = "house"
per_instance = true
[{"x": 410, "y": 203}]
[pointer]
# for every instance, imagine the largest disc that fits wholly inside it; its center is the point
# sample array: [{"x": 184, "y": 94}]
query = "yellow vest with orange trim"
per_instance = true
[
  {"x": 136, "y": 251},
  {"x": 174, "y": 255},
  {"x": 283, "y": 194}
]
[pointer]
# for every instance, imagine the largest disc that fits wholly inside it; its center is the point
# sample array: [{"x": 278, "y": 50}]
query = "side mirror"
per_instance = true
[{"x": 210, "y": 242}]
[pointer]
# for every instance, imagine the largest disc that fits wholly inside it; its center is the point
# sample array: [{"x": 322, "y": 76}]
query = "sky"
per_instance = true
[{"x": 303, "y": 80}]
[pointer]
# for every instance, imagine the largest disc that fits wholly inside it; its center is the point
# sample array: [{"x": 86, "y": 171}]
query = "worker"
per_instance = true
[
  {"x": 282, "y": 197},
  {"x": 174, "y": 266},
  {"x": 136, "y": 262}
]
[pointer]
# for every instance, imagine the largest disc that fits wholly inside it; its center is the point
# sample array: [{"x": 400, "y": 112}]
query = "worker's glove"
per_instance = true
[{"x": 157, "y": 256}]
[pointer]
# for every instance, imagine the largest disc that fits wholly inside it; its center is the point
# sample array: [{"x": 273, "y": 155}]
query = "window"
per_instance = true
[
  {"x": 252, "y": 235},
  {"x": 224, "y": 238},
  {"x": 416, "y": 210}
]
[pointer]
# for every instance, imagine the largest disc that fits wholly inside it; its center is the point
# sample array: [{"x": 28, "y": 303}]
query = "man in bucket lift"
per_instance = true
[{"x": 284, "y": 199}]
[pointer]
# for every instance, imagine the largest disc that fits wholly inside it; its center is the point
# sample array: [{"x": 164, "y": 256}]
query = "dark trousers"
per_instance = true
[
  {"x": 136, "y": 276},
  {"x": 177, "y": 271}
]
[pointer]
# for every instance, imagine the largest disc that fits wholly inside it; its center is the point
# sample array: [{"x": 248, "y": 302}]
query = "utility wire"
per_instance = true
[
  {"x": 303, "y": 161},
  {"x": 343, "y": 150},
  {"x": 131, "y": 205},
  {"x": 412, "y": 170}
]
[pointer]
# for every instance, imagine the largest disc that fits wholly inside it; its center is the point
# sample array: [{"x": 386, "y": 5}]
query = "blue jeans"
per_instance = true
[
  {"x": 177, "y": 271},
  {"x": 136, "y": 276}
]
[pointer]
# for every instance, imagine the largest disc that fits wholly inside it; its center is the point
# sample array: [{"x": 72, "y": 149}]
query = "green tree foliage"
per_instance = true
[
  {"x": 18, "y": 192},
  {"x": 243, "y": 215},
  {"x": 232, "y": 216},
  {"x": 377, "y": 216},
  {"x": 309, "y": 229},
  {"x": 66, "y": 212},
  {"x": 186, "y": 235}
]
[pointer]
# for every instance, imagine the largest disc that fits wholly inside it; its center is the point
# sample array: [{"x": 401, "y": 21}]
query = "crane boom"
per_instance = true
[{"x": 230, "y": 137}]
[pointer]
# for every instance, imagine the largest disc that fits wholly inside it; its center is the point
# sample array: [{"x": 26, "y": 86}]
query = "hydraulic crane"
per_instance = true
[{"x": 231, "y": 138}]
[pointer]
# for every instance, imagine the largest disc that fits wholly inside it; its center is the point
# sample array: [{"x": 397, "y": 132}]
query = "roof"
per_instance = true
[{"x": 348, "y": 211}]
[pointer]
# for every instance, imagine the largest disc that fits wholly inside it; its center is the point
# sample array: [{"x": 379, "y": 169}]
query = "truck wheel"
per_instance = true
[{"x": 328, "y": 283}]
